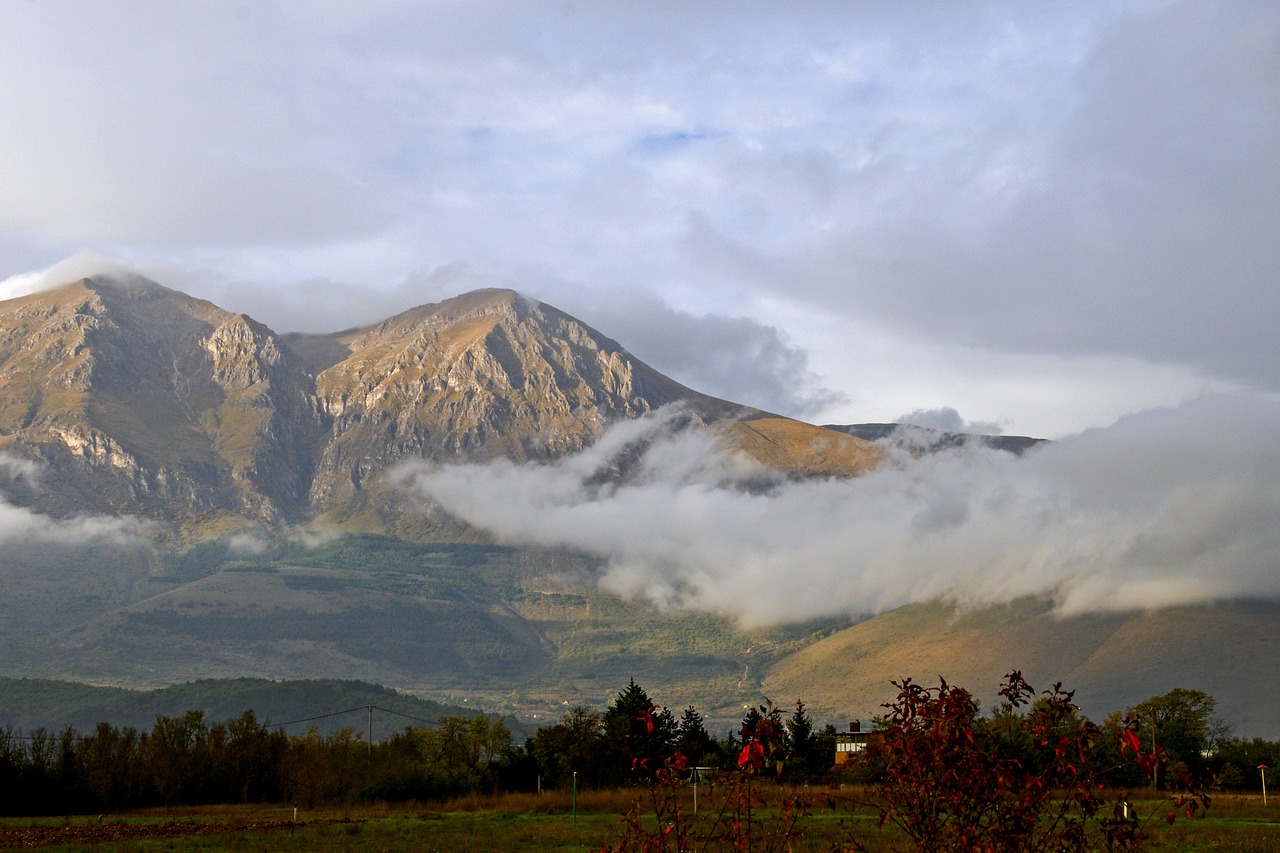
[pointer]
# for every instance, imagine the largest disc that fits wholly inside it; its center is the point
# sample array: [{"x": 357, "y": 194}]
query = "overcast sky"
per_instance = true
[{"x": 1034, "y": 217}]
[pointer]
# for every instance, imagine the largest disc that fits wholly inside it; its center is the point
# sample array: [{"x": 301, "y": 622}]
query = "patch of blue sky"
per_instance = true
[{"x": 661, "y": 143}]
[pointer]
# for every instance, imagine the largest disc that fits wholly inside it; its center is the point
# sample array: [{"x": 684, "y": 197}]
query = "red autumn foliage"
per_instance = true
[
  {"x": 1022, "y": 781},
  {"x": 659, "y": 822}
]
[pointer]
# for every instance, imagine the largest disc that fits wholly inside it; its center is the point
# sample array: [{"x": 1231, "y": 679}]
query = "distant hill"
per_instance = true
[
  {"x": 925, "y": 440},
  {"x": 1112, "y": 661},
  {"x": 512, "y": 631},
  {"x": 327, "y": 705}
]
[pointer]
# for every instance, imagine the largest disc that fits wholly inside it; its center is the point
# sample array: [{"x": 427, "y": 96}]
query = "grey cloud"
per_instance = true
[
  {"x": 82, "y": 264},
  {"x": 1142, "y": 222},
  {"x": 735, "y": 358},
  {"x": 14, "y": 470},
  {"x": 1166, "y": 507}
]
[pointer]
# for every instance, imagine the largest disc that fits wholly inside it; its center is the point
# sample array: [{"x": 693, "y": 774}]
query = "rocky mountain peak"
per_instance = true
[{"x": 148, "y": 401}]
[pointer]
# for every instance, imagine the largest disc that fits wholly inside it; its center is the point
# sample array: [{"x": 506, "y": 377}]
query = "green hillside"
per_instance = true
[
  {"x": 513, "y": 631},
  {"x": 528, "y": 633}
]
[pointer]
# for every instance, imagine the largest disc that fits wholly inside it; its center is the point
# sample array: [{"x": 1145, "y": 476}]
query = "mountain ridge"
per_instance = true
[{"x": 143, "y": 400}]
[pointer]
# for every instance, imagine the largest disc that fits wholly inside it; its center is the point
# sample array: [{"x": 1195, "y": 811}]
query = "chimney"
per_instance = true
[{"x": 855, "y": 725}]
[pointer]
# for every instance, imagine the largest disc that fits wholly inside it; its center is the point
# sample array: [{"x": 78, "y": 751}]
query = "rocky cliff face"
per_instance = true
[
  {"x": 147, "y": 401},
  {"x": 483, "y": 375},
  {"x": 141, "y": 399}
]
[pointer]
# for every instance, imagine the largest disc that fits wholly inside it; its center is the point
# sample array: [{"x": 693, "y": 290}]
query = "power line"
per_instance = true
[
  {"x": 406, "y": 716},
  {"x": 318, "y": 717}
]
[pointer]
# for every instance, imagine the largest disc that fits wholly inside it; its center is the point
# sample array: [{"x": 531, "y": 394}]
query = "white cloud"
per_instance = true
[
  {"x": 947, "y": 419},
  {"x": 1166, "y": 507},
  {"x": 82, "y": 264},
  {"x": 20, "y": 524}
]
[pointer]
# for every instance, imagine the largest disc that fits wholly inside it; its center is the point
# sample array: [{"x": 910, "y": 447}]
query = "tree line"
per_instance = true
[{"x": 189, "y": 760}]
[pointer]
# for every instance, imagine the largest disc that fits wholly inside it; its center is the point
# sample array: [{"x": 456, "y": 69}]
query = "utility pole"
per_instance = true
[
  {"x": 369, "y": 729},
  {"x": 1155, "y": 761}
]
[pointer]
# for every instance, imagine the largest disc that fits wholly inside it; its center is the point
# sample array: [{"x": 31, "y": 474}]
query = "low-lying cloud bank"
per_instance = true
[
  {"x": 1167, "y": 507},
  {"x": 22, "y": 525}
]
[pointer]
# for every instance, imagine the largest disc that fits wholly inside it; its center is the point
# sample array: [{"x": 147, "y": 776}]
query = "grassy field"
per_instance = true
[{"x": 545, "y": 822}]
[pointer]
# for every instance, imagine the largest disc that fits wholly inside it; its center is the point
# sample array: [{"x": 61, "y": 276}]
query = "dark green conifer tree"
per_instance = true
[
  {"x": 801, "y": 742},
  {"x": 639, "y": 736},
  {"x": 694, "y": 742}
]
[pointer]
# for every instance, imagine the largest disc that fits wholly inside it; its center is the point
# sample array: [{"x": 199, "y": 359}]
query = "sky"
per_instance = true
[{"x": 1029, "y": 218}]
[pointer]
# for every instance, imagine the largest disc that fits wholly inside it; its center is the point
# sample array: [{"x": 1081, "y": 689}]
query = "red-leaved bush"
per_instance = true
[
  {"x": 658, "y": 821},
  {"x": 1026, "y": 778},
  {"x": 1023, "y": 780}
]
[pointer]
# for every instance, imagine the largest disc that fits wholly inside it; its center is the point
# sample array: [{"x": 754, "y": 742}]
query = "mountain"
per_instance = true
[
  {"x": 143, "y": 401},
  {"x": 266, "y": 543},
  {"x": 294, "y": 706},
  {"x": 490, "y": 374},
  {"x": 918, "y": 439},
  {"x": 255, "y": 462}
]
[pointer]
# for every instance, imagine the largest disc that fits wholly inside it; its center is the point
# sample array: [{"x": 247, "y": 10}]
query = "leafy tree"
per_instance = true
[
  {"x": 763, "y": 739},
  {"x": 460, "y": 755},
  {"x": 576, "y": 743},
  {"x": 1185, "y": 728},
  {"x": 325, "y": 769},
  {"x": 1234, "y": 763},
  {"x": 471, "y": 745},
  {"x": 1020, "y": 782},
  {"x": 177, "y": 756},
  {"x": 256, "y": 754}
]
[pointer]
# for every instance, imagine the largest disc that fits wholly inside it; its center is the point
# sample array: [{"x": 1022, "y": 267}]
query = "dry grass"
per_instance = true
[{"x": 790, "y": 445}]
